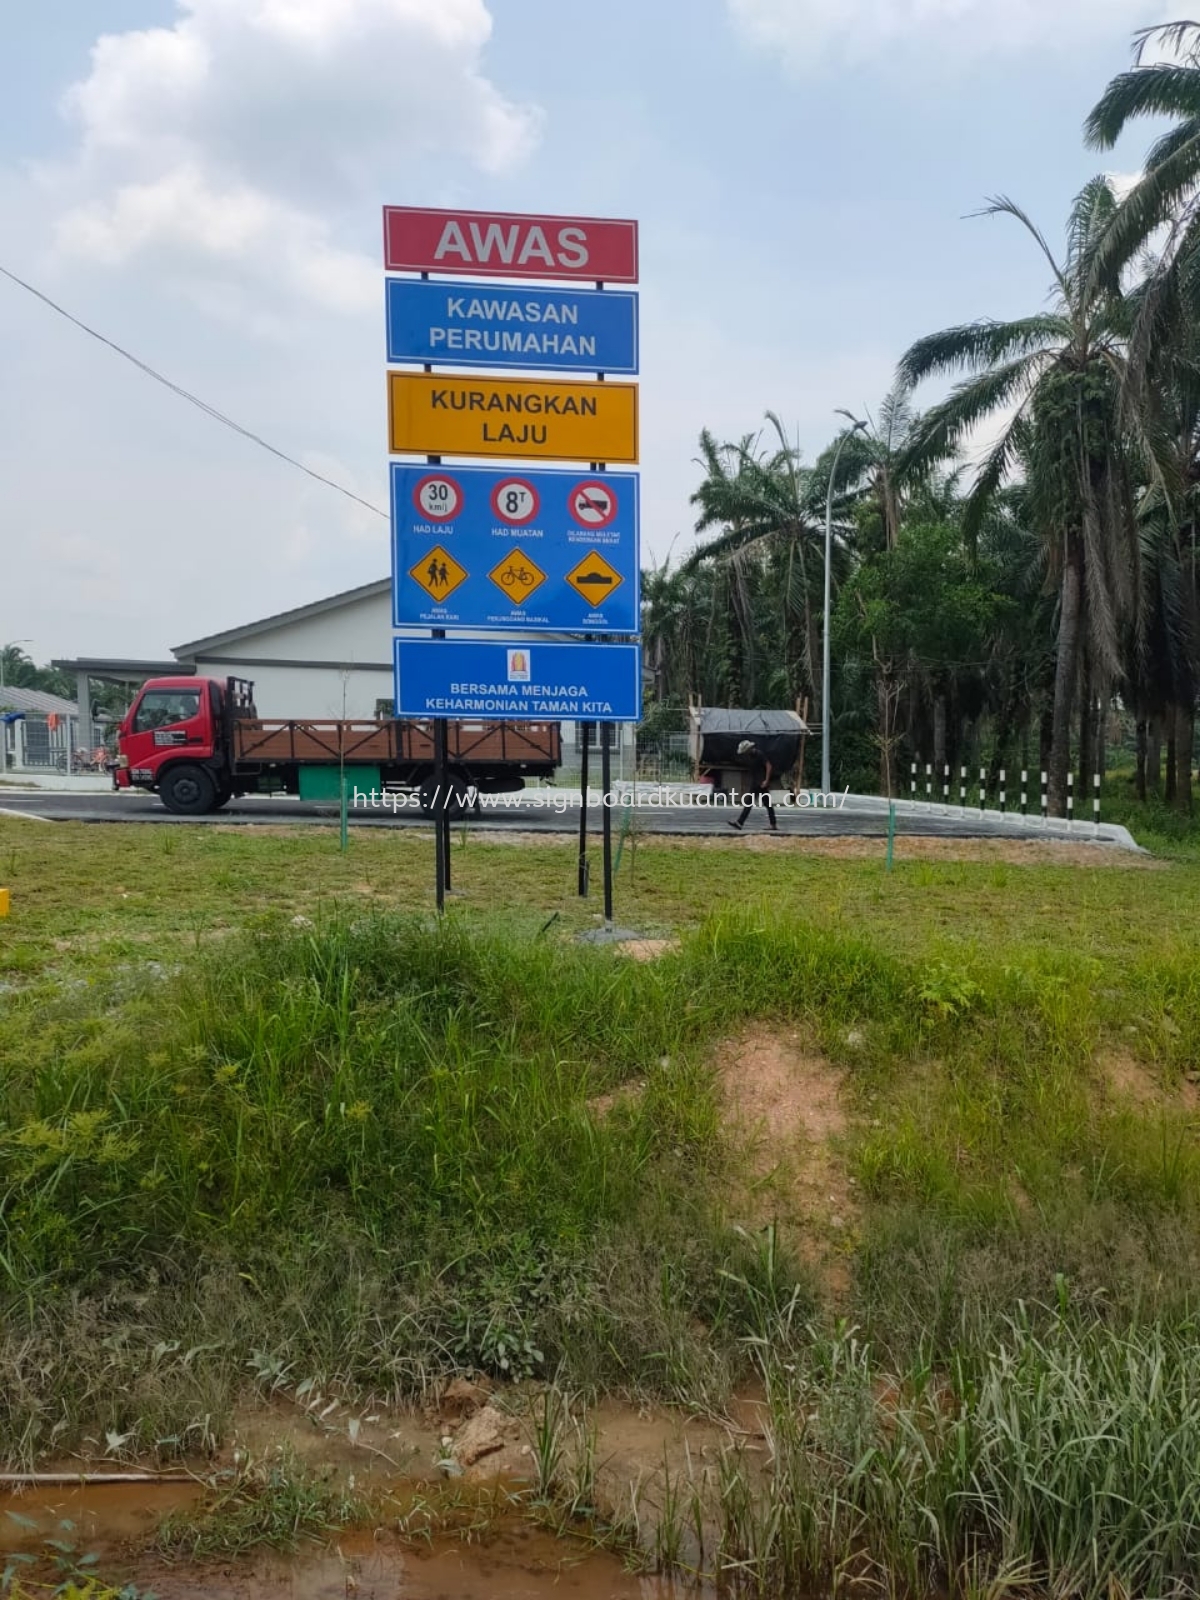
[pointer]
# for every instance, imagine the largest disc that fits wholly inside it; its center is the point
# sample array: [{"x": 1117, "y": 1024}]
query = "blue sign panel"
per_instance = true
[
  {"x": 518, "y": 680},
  {"x": 482, "y": 325},
  {"x": 532, "y": 551}
]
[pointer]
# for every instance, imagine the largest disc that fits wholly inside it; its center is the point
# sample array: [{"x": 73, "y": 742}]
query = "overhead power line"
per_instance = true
[{"x": 186, "y": 394}]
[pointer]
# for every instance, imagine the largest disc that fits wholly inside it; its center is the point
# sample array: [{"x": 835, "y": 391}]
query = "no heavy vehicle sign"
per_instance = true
[{"x": 502, "y": 244}]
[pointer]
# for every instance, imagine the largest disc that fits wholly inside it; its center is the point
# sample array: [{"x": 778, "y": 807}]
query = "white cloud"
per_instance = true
[
  {"x": 230, "y": 224},
  {"x": 807, "y": 32},
  {"x": 1124, "y": 183},
  {"x": 242, "y": 134}
]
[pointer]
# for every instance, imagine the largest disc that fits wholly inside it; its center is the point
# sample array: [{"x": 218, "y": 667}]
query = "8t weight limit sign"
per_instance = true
[{"x": 515, "y": 501}]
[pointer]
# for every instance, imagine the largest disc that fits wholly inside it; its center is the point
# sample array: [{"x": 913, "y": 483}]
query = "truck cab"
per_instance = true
[{"x": 174, "y": 739}]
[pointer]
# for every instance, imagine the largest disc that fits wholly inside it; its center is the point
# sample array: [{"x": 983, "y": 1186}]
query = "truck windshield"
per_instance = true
[{"x": 161, "y": 707}]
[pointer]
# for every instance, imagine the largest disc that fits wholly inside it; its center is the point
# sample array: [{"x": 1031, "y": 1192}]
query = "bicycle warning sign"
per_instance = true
[{"x": 518, "y": 576}]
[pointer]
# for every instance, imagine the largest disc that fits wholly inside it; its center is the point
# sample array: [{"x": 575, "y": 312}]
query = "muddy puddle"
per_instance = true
[{"x": 109, "y": 1525}]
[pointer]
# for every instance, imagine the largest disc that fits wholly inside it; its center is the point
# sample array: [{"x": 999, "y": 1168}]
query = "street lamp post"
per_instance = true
[
  {"x": 858, "y": 426},
  {"x": 4, "y": 648}
]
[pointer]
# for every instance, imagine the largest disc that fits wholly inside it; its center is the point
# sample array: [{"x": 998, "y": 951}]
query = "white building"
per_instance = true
[{"x": 328, "y": 659}]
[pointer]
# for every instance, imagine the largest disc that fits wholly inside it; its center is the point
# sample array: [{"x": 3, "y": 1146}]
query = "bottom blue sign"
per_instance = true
[{"x": 518, "y": 680}]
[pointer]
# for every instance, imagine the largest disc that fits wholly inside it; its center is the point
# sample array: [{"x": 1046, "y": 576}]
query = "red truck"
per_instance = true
[{"x": 199, "y": 742}]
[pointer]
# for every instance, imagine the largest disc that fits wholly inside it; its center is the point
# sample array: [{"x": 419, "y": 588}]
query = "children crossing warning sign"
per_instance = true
[{"x": 438, "y": 573}]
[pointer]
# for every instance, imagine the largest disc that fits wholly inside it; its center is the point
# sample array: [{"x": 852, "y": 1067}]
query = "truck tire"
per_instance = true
[
  {"x": 188, "y": 791},
  {"x": 453, "y": 802}
]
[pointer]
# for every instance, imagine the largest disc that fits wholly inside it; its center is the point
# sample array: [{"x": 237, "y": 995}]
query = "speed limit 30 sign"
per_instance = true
[{"x": 438, "y": 497}]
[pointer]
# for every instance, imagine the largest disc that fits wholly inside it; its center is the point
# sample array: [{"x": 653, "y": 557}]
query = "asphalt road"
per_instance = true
[{"x": 535, "y": 811}]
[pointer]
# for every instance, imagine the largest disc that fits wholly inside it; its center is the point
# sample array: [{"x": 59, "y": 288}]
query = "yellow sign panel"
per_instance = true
[
  {"x": 438, "y": 573},
  {"x": 430, "y": 415},
  {"x": 518, "y": 577},
  {"x": 594, "y": 578}
]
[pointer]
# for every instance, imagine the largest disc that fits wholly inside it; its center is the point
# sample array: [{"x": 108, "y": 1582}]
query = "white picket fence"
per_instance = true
[{"x": 1013, "y": 792}]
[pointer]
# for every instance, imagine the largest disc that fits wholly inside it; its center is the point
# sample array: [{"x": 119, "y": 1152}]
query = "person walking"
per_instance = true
[{"x": 760, "y": 772}]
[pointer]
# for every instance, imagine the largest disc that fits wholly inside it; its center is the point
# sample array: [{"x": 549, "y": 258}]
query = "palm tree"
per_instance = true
[
  {"x": 1166, "y": 670},
  {"x": 770, "y": 512},
  {"x": 1167, "y": 196},
  {"x": 1058, "y": 374},
  {"x": 876, "y": 467}
]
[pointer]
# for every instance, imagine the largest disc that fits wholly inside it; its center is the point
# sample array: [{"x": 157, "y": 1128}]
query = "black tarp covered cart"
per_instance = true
[{"x": 716, "y": 731}]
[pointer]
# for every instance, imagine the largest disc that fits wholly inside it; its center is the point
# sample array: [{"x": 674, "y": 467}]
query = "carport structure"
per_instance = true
[{"x": 104, "y": 670}]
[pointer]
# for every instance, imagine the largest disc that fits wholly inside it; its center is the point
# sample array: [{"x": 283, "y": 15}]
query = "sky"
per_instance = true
[{"x": 201, "y": 182}]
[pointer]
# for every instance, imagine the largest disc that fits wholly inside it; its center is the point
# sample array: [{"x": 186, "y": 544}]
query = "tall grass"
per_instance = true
[{"x": 1061, "y": 1461}]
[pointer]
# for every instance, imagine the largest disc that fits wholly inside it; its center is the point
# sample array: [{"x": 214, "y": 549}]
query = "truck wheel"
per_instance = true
[
  {"x": 454, "y": 799},
  {"x": 188, "y": 791}
]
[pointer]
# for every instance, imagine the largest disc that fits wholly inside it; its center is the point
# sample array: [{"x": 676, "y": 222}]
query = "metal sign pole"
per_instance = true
[
  {"x": 582, "y": 885},
  {"x": 441, "y": 854},
  {"x": 444, "y": 816},
  {"x": 584, "y": 874},
  {"x": 441, "y": 815},
  {"x": 606, "y": 782}
]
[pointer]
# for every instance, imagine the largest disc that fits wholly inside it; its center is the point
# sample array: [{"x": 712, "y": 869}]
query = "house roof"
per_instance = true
[
  {"x": 115, "y": 669},
  {"x": 36, "y": 701},
  {"x": 218, "y": 641}
]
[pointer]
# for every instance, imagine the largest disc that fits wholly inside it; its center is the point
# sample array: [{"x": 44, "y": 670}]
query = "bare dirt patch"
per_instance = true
[
  {"x": 628, "y": 1094},
  {"x": 787, "y": 1104},
  {"x": 1135, "y": 1082},
  {"x": 648, "y": 949}
]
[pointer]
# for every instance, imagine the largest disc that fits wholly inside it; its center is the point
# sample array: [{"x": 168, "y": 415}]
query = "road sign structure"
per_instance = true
[
  {"x": 517, "y": 680},
  {"x": 528, "y": 418},
  {"x": 575, "y": 534},
  {"x": 509, "y": 245},
  {"x": 483, "y": 325}
]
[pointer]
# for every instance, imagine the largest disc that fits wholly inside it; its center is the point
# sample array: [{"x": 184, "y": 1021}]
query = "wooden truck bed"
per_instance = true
[{"x": 396, "y": 743}]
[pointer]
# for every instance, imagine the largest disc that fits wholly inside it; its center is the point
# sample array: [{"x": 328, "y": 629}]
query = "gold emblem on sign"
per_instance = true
[
  {"x": 438, "y": 573},
  {"x": 518, "y": 577},
  {"x": 594, "y": 578}
]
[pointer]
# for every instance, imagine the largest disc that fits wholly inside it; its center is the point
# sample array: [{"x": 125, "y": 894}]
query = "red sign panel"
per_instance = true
[{"x": 502, "y": 244}]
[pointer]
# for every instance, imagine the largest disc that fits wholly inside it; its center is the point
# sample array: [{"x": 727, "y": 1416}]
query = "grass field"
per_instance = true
[{"x": 260, "y": 1114}]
